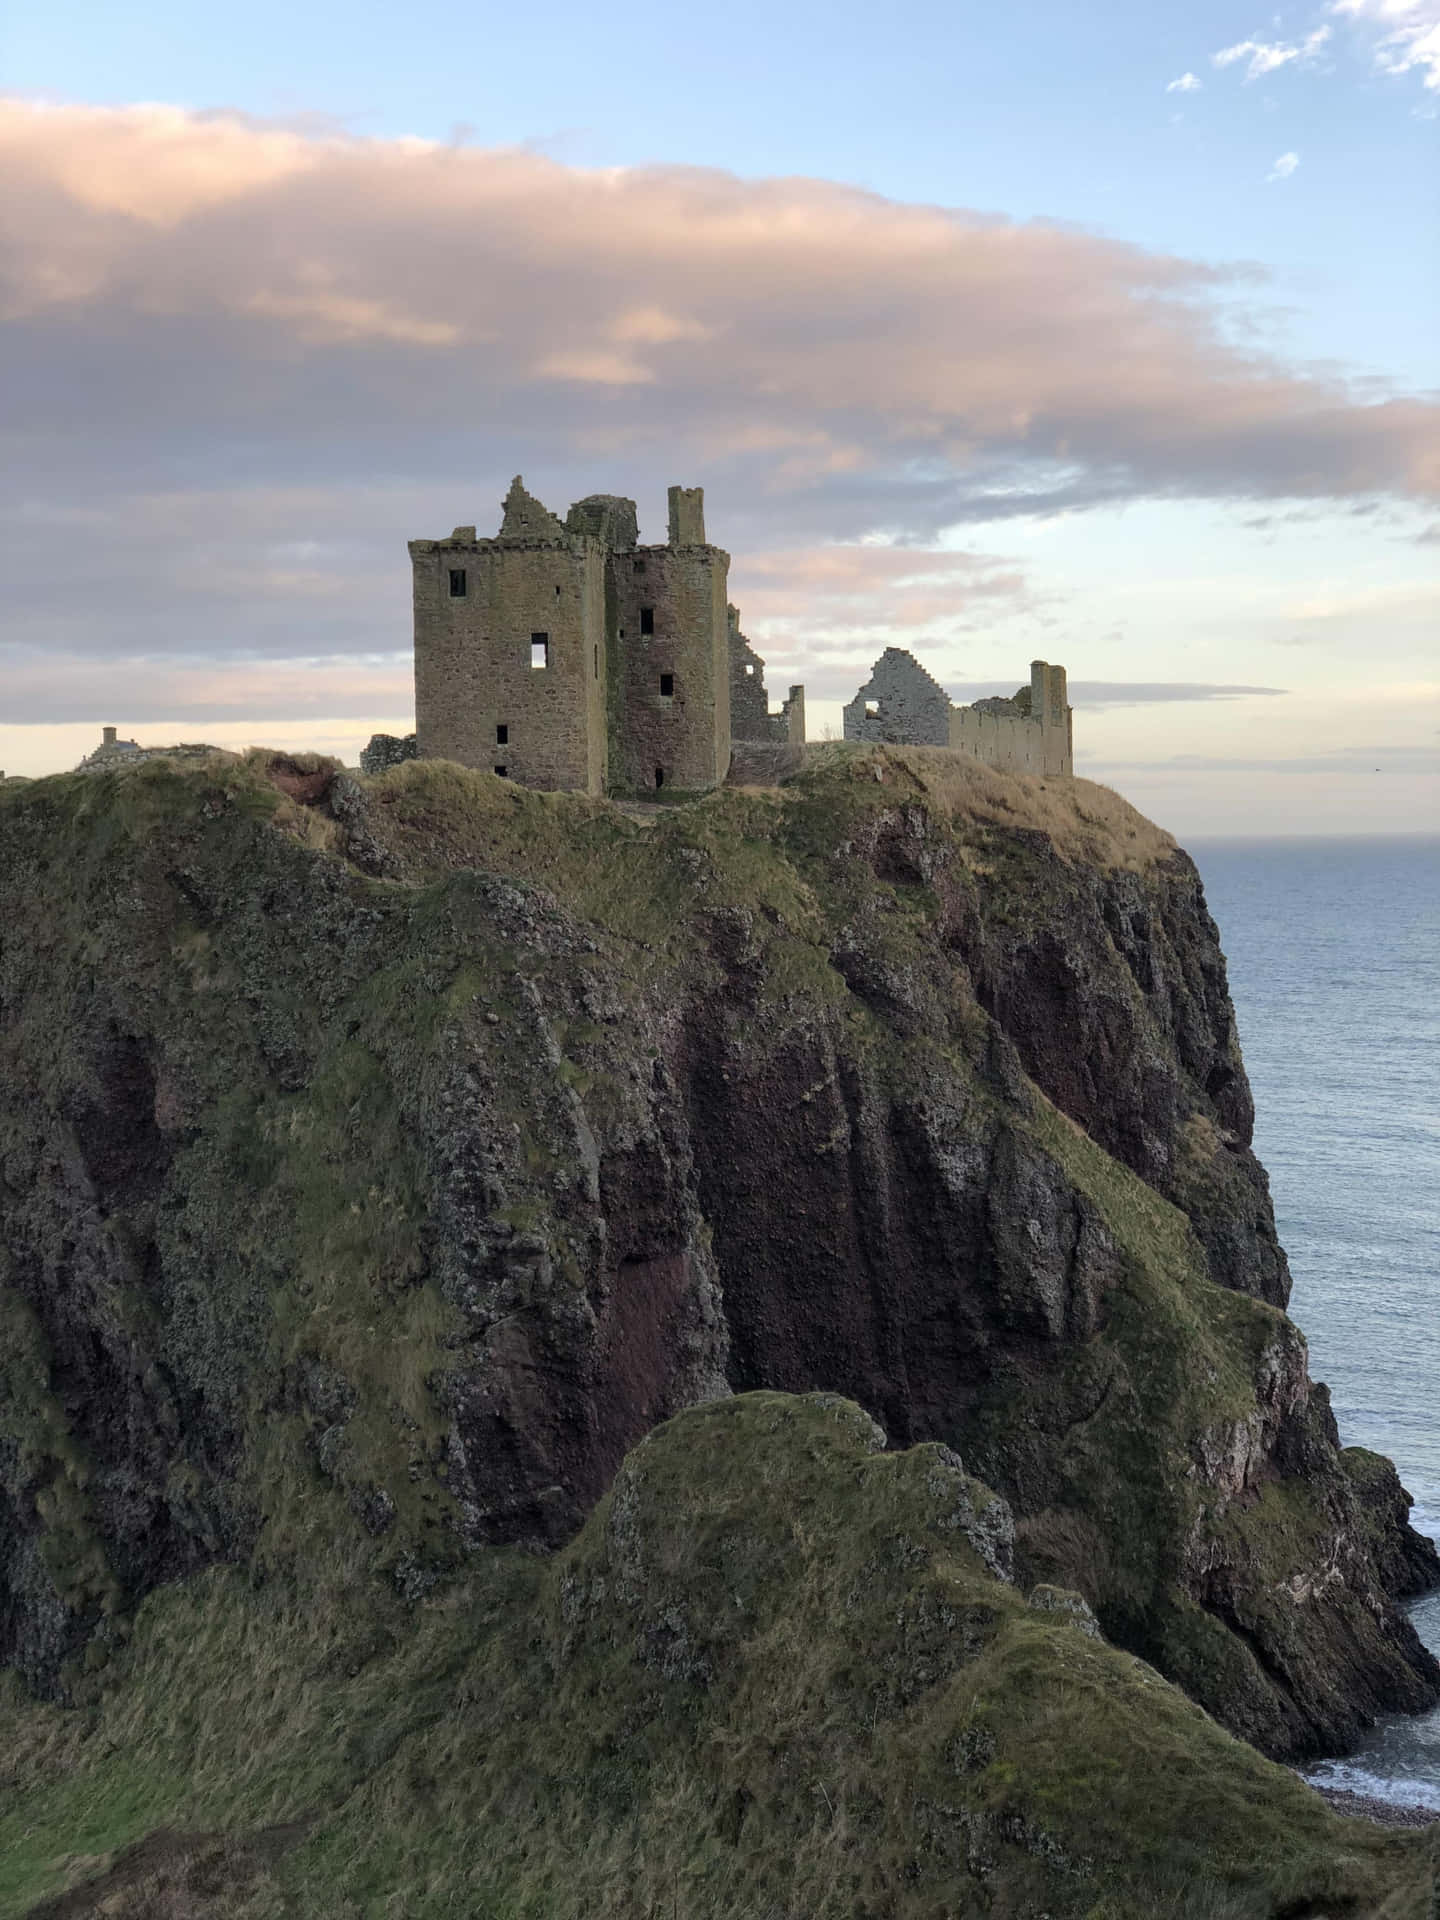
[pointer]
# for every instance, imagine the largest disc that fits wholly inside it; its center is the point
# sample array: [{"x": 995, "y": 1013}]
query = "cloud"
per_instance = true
[
  {"x": 825, "y": 613},
  {"x": 1262, "y": 56},
  {"x": 833, "y": 678},
  {"x": 1406, "y": 613},
  {"x": 1399, "y": 599},
  {"x": 1361, "y": 761},
  {"x": 1402, "y": 618},
  {"x": 46, "y": 688},
  {"x": 866, "y": 588},
  {"x": 1095, "y": 694},
  {"x": 1126, "y": 693},
  {"x": 1284, "y": 167},
  {"x": 1409, "y": 34},
  {"x": 1187, "y": 83},
  {"x": 248, "y": 360}
]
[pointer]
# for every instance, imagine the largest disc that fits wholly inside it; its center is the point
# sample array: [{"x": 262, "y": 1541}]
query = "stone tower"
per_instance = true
[{"x": 567, "y": 655}]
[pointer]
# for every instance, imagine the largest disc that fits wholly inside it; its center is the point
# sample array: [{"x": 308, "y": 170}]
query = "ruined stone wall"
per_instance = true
[
  {"x": 671, "y": 677},
  {"x": 1049, "y": 698},
  {"x": 1005, "y": 736},
  {"x": 749, "y": 701},
  {"x": 1010, "y": 742},
  {"x": 687, "y": 517},
  {"x": 900, "y": 704},
  {"x": 750, "y": 715},
  {"x": 112, "y": 753},
  {"x": 386, "y": 750},
  {"x": 473, "y": 674}
]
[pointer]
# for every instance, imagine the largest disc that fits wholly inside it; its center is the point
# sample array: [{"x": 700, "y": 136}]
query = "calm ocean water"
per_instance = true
[{"x": 1334, "y": 956}]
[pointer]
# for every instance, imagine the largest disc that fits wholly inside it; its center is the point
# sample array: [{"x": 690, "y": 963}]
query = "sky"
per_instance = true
[{"x": 1107, "y": 335}]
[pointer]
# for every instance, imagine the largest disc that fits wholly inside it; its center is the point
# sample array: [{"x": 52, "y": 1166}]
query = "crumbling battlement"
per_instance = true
[
  {"x": 750, "y": 715},
  {"x": 565, "y": 654},
  {"x": 1031, "y": 732}
]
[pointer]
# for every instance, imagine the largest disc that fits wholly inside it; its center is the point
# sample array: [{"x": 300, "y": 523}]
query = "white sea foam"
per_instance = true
[{"x": 1354, "y": 1777}]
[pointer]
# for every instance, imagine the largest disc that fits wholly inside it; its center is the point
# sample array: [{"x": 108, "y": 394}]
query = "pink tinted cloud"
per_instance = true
[
  {"x": 825, "y": 590},
  {"x": 196, "y": 692},
  {"x": 861, "y": 336}
]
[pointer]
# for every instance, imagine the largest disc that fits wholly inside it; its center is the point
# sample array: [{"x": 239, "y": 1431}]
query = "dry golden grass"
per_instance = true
[{"x": 1085, "y": 822}]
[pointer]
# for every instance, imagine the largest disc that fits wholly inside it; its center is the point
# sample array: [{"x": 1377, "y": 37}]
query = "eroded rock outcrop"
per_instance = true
[{"x": 380, "y": 1163}]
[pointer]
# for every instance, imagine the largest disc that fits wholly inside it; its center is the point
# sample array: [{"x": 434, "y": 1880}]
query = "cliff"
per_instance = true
[{"x": 383, "y": 1159}]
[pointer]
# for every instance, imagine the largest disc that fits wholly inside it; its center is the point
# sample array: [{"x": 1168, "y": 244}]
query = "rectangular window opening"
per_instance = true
[
  {"x": 639, "y": 566},
  {"x": 647, "y": 620},
  {"x": 667, "y": 686},
  {"x": 539, "y": 650},
  {"x": 457, "y": 583},
  {"x": 872, "y": 709},
  {"x": 504, "y": 772},
  {"x": 502, "y": 735}
]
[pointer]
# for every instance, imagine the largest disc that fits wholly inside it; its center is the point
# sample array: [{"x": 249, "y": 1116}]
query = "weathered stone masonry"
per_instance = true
[
  {"x": 900, "y": 703},
  {"x": 1031, "y": 732},
  {"x": 568, "y": 655},
  {"x": 750, "y": 715}
]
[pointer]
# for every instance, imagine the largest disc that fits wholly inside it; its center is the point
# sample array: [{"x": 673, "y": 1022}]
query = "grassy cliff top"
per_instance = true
[{"x": 450, "y": 805}]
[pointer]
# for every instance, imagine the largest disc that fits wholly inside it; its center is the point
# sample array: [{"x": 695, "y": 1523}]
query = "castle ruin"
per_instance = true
[
  {"x": 1030, "y": 732},
  {"x": 564, "y": 654},
  {"x": 750, "y": 716}
]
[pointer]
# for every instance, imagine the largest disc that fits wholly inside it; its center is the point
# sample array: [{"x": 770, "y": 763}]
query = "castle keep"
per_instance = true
[{"x": 564, "y": 654}]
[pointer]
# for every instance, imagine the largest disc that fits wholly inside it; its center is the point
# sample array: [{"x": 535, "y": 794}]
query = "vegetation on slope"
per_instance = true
[{"x": 773, "y": 1675}]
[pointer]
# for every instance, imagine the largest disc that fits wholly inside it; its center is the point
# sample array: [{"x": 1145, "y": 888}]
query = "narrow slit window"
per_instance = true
[
  {"x": 647, "y": 620},
  {"x": 502, "y": 735},
  {"x": 667, "y": 686},
  {"x": 659, "y": 776},
  {"x": 457, "y": 583},
  {"x": 597, "y": 661},
  {"x": 539, "y": 650}
]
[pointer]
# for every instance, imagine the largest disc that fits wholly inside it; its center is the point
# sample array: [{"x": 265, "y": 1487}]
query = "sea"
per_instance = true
[{"x": 1333, "y": 949}]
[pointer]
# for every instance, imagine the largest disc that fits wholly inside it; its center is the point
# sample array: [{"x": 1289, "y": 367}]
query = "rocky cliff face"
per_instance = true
[{"x": 381, "y": 1159}]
